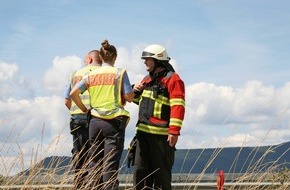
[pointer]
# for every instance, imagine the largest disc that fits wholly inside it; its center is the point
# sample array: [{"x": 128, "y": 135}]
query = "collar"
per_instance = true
[
  {"x": 107, "y": 64},
  {"x": 159, "y": 74}
]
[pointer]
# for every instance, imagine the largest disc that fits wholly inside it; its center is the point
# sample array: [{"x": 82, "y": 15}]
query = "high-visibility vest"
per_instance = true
[
  {"x": 104, "y": 86},
  {"x": 85, "y": 98}
]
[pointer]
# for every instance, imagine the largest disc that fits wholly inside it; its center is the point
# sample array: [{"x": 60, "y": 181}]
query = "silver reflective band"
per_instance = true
[{"x": 147, "y": 54}]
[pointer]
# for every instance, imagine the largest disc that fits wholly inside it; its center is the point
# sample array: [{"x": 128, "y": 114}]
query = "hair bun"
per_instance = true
[{"x": 105, "y": 44}]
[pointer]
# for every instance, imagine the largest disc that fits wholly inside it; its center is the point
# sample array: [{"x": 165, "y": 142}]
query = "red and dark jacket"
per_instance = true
[{"x": 161, "y": 104}]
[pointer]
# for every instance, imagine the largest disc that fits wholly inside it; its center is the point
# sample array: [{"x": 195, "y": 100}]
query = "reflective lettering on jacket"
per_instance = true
[
  {"x": 85, "y": 97},
  {"x": 104, "y": 86}
]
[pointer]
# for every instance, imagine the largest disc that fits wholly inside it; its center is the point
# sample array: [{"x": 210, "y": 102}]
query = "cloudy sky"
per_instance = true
[{"x": 232, "y": 55}]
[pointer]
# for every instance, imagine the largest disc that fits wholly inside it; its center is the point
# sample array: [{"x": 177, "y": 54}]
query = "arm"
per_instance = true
[
  {"x": 129, "y": 96},
  {"x": 176, "y": 91},
  {"x": 67, "y": 99},
  {"x": 67, "y": 103},
  {"x": 127, "y": 90},
  {"x": 74, "y": 94},
  {"x": 139, "y": 87}
]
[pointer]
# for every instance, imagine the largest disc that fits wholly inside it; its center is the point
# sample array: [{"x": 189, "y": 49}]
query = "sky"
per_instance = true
[{"x": 233, "y": 57}]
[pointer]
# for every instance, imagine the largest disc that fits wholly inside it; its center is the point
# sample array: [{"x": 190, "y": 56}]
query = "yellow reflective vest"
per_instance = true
[
  {"x": 105, "y": 89},
  {"x": 74, "y": 79}
]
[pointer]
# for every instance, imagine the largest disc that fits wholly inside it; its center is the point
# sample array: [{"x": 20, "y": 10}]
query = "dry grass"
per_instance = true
[{"x": 52, "y": 179}]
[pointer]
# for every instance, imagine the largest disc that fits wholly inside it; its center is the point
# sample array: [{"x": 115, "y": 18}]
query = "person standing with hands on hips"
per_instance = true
[
  {"x": 161, "y": 99},
  {"x": 109, "y": 88},
  {"x": 78, "y": 121}
]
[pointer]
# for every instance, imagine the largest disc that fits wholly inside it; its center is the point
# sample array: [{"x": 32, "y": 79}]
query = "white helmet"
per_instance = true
[{"x": 155, "y": 51}]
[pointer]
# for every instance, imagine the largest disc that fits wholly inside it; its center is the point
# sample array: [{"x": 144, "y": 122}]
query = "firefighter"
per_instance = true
[
  {"x": 161, "y": 99},
  {"x": 78, "y": 121},
  {"x": 109, "y": 88}
]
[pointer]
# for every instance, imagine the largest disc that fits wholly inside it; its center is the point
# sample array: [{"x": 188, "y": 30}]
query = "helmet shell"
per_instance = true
[{"x": 155, "y": 51}]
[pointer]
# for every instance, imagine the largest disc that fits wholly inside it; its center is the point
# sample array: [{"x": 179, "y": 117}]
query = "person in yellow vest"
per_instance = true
[
  {"x": 78, "y": 121},
  {"x": 109, "y": 88}
]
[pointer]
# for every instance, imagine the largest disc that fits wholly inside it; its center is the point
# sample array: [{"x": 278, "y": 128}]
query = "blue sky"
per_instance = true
[{"x": 232, "y": 55}]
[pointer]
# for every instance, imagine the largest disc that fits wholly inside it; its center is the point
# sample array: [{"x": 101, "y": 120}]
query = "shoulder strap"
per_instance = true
[
  {"x": 72, "y": 76},
  {"x": 169, "y": 74}
]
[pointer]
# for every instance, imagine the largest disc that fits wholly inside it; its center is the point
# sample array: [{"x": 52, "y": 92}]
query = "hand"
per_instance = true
[
  {"x": 138, "y": 87},
  {"x": 172, "y": 140},
  {"x": 131, "y": 158},
  {"x": 131, "y": 152},
  {"x": 86, "y": 110}
]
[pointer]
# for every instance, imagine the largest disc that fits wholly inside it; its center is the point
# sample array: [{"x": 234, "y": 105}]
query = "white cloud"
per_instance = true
[
  {"x": 254, "y": 111},
  {"x": 131, "y": 59},
  {"x": 56, "y": 78},
  {"x": 12, "y": 84},
  {"x": 31, "y": 117},
  {"x": 7, "y": 71},
  {"x": 36, "y": 127}
]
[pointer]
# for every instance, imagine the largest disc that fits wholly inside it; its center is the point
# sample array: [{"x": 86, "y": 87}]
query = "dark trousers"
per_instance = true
[
  {"x": 80, "y": 132},
  {"x": 154, "y": 159},
  {"x": 107, "y": 143}
]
